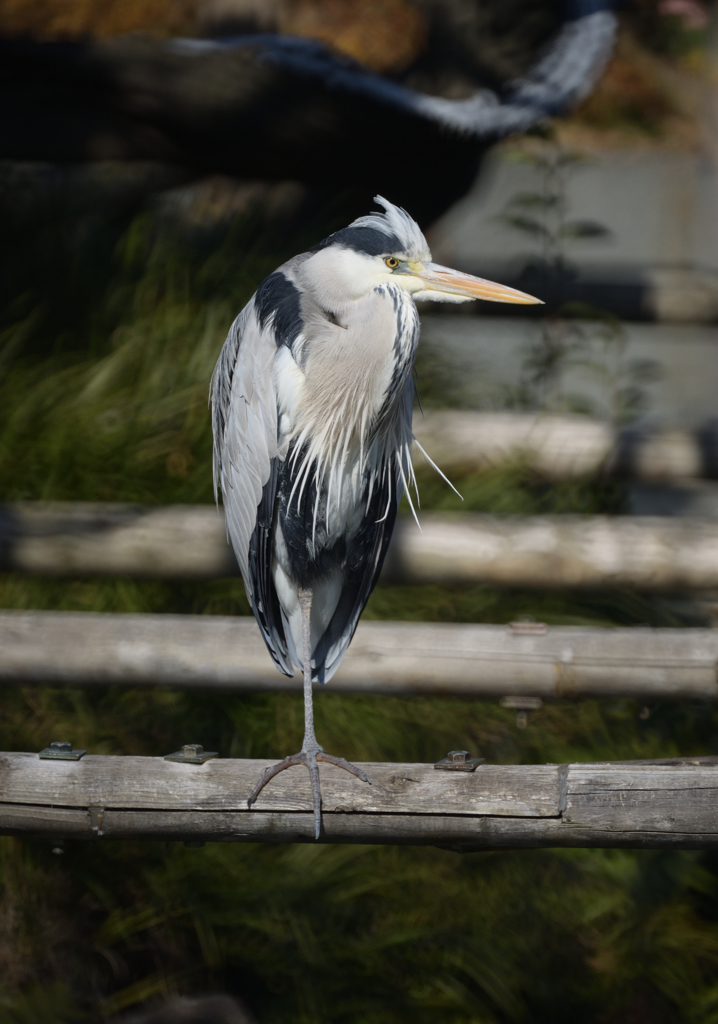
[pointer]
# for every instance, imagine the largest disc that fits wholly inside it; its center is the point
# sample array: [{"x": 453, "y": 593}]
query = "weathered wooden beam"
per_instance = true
[
  {"x": 631, "y": 804},
  {"x": 650, "y": 552},
  {"x": 565, "y": 447},
  {"x": 90, "y": 539},
  {"x": 227, "y": 653}
]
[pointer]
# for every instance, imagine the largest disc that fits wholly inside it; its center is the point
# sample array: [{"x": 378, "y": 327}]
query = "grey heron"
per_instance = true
[{"x": 312, "y": 401}]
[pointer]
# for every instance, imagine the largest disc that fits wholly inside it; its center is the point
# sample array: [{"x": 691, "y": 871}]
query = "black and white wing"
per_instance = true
[{"x": 244, "y": 422}]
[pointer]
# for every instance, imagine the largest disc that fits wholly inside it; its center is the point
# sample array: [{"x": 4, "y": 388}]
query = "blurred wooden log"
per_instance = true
[
  {"x": 648, "y": 552},
  {"x": 85, "y": 539},
  {"x": 227, "y": 653},
  {"x": 628, "y": 804},
  {"x": 565, "y": 447},
  {"x": 533, "y": 551}
]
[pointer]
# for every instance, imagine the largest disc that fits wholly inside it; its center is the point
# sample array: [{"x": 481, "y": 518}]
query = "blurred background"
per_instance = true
[{"x": 137, "y": 218}]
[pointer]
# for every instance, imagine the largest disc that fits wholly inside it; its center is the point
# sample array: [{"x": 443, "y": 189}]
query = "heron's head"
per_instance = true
[{"x": 390, "y": 247}]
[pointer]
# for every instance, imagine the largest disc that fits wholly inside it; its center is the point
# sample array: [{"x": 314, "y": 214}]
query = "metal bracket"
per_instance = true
[
  {"x": 528, "y": 628},
  {"x": 459, "y": 761},
  {"x": 191, "y": 753},
  {"x": 61, "y": 751},
  {"x": 96, "y": 817},
  {"x": 522, "y": 705}
]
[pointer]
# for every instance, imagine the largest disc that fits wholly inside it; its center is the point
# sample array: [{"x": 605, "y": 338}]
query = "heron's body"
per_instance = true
[
  {"x": 333, "y": 432},
  {"x": 312, "y": 407}
]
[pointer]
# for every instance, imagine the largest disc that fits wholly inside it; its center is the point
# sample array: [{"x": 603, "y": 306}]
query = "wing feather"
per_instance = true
[{"x": 244, "y": 421}]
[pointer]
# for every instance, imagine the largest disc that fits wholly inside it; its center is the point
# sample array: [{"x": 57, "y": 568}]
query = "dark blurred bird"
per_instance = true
[
  {"x": 312, "y": 402},
  {"x": 268, "y": 107}
]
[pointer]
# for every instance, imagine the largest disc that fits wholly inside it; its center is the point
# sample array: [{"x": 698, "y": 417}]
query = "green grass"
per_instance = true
[{"x": 110, "y": 328}]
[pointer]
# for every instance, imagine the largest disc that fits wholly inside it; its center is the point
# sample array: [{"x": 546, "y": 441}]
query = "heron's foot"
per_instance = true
[{"x": 309, "y": 758}]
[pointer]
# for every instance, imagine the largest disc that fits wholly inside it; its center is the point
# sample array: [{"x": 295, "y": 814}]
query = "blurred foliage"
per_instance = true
[
  {"x": 383, "y": 34},
  {"x": 674, "y": 28},
  {"x": 70, "y": 19},
  {"x": 386, "y": 35},
  {"x": 632, "y": 94},
  {"x": 110, "y": 327},
  {"x": 654, "y": 85},
  {"x": 109, "y": 330}
]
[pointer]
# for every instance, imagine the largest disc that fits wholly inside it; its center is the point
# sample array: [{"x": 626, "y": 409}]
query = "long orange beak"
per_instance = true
[{"x": 442, "y": 279}]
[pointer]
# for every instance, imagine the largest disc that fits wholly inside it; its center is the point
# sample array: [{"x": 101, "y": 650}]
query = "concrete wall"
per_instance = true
[
  {"x": 484, "y": 358},
  {"x": 661, "y": 209}
]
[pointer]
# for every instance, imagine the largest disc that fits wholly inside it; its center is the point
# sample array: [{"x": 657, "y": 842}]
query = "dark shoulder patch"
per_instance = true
[
  {"x": 277, "y": 296},
  {"x": 366, "y": 240}
]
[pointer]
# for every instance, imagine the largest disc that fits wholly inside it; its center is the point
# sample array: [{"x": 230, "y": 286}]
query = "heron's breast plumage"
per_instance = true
[
  {"x": 341, "y": 414},
  {"x": 352, "y": 370}
]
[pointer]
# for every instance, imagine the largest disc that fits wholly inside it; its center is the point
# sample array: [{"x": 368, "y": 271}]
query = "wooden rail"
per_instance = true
[
  {"x": 647, "y": 552},
  {"x": 565, "y": 447},
  {"x": 671, "y": 803},
  {"x": 227, "y": 653}
]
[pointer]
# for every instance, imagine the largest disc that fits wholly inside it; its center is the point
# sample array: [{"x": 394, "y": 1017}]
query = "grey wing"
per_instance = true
[{"x": 245, "y": 460}]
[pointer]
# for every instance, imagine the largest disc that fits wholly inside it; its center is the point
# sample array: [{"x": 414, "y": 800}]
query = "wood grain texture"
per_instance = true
[
  {"x": 225, "y": 784},
  {"x": 671, "y": 803},
  {"x": 71, "y": 649},
  {"x": 663, "y": 798},
  {"x": 457, "y": 832}
]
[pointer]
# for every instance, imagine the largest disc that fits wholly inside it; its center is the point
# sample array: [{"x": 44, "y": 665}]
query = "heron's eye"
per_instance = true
[{"x": 392, "y": 262}]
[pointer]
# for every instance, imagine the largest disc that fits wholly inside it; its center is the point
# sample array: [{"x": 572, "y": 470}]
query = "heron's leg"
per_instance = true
[
  {"x": 311, "y": 752},
  {"x": 310, "y": 747},
  {"x": 305, "y": 603}
]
